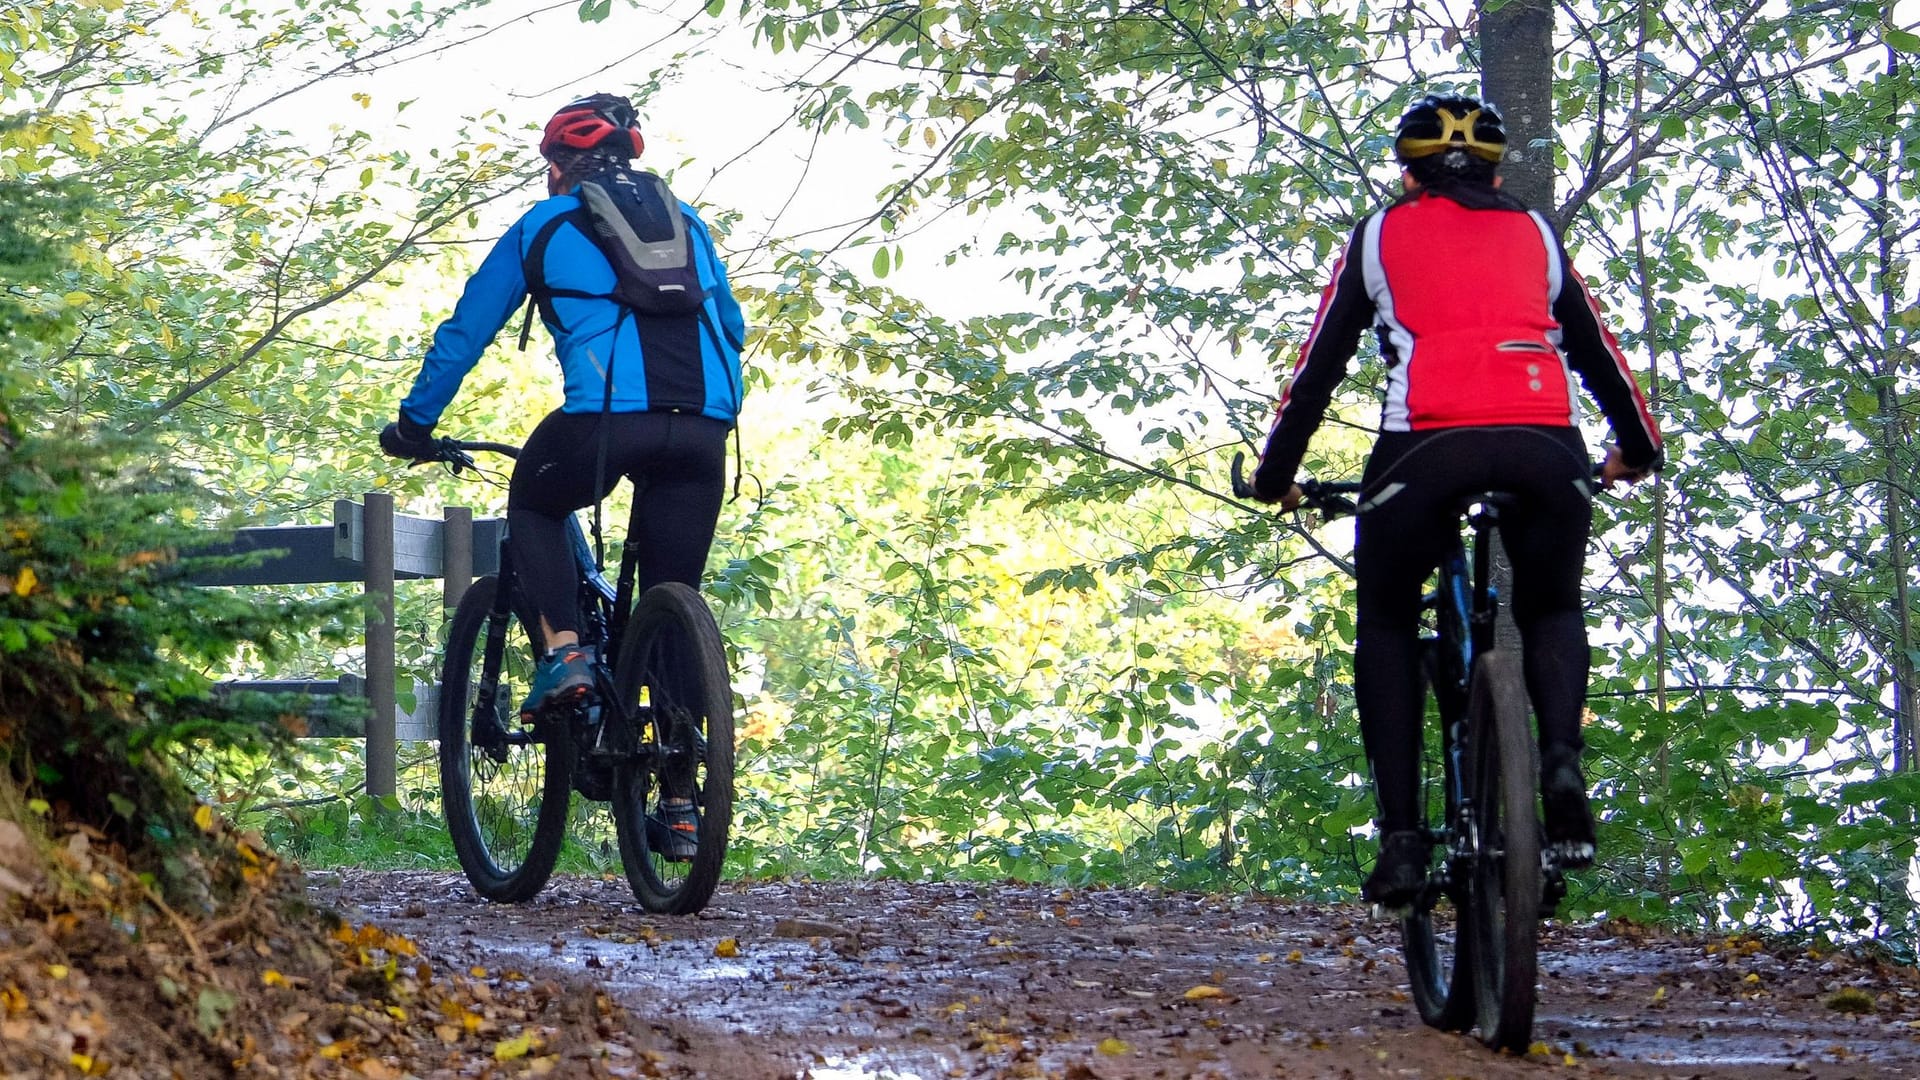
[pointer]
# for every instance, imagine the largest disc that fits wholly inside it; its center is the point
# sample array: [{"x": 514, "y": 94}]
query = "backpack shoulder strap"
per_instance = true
[{"x": 533, "y": 266}]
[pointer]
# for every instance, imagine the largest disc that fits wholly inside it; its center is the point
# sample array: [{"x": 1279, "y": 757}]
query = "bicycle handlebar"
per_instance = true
[
  {"x": 1327, "y": 496},
  {"x": 454, "y": 453}
]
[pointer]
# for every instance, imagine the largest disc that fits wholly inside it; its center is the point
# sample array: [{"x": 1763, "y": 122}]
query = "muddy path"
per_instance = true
[{"x": 885, "y": 979}]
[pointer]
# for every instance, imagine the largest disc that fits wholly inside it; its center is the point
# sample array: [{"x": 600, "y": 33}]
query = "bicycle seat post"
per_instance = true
[{"x": 1482, "y": 512}]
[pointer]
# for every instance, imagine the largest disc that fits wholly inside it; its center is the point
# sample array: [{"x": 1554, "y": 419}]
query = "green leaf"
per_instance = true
[
  {"x": 211, "y": 1007},
  {"x": 1903, "y": 40}
]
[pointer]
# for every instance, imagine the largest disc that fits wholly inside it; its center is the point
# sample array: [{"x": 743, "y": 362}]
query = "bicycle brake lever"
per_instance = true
[{"x": 1241, "y": 488}]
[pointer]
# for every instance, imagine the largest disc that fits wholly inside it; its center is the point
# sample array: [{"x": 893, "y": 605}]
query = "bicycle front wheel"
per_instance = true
[
  {"x": 504, "y": 785},
  {"x": 1506, "y": 879},
  {"x": 1434, "y": 935},
  {"x": 675, "y": 693}
]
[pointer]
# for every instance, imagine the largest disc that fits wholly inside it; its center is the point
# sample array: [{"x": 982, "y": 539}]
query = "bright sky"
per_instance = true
[{"x": 721, "y": 126}]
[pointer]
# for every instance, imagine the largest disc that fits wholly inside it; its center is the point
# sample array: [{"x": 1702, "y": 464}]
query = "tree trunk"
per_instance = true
[{"x": 1516, "y": 77}]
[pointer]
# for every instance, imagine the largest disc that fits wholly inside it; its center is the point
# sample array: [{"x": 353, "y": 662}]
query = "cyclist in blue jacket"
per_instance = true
[{"x": 649, "y": 397}]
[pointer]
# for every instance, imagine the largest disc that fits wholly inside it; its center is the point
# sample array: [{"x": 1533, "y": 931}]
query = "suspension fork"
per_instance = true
[{"x": 486, "y": 730}]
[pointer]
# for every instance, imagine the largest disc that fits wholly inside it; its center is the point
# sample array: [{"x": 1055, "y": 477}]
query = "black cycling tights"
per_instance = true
[
  {"x": 678, "y": 464},
  {"x": 1412, "y": 482}
]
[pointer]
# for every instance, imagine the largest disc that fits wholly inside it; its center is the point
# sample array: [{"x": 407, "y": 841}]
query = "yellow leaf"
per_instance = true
[
  {"x": 515, "y": 1048},
  {"x": 364, "y": 100},
  {"x": 1264, "y": 958},
  {"x": 231, "y": 198},
  {"x": 271, "y": 977},
  {"x": 1295, "y": 957},
  {"x": 1204, "y": 991},
  {"x": 203, "y": 817},
  {"x": 932, "y": 139},
  {"x": 1113, "y": 1047},
  {"x": 397, "y": 1013},
  {"x": 77, "y": 299},
  {"x": 57, "y": 971},
  {"x": 726, "y": 948},
  {"x": 1539, "y": 1049},
  {"x": 24, "y": 582},
  {"x": 12, "y": 1001},
  {"x": 1660, "y": 993}
]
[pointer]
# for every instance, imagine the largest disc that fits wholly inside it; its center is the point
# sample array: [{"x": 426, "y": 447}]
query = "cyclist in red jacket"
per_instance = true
[{"x": 1483, "y": 324}]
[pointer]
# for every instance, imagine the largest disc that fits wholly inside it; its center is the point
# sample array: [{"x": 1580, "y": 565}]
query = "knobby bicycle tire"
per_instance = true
[
  {"x": 674, "y": 687},
  {"x": 1434, "y": 936},
  {"x": 506, "y": 808},
  {"x": 1507, "y": 875}
]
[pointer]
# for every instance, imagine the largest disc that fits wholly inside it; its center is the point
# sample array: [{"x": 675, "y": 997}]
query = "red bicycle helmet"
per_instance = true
[{"x": 598, "y": 121}]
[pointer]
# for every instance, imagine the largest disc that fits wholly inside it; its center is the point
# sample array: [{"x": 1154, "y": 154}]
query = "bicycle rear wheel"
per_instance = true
[
  {"x": 674, "y": 690},
  {"x": 1506, "y": 879},
  {"x": 1433, "y": 935},
  {"x": 504, "y": 786}
]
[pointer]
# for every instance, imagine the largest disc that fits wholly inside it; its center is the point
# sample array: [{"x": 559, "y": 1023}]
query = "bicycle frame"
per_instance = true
[{"x": 1465, "y": 607}]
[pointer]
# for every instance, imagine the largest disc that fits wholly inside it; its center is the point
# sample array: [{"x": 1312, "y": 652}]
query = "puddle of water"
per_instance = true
[{"x": 835, "y": 1068}]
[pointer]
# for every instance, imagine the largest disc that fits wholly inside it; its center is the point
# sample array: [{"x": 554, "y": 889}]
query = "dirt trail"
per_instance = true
[{"x": 889, "y": 979}]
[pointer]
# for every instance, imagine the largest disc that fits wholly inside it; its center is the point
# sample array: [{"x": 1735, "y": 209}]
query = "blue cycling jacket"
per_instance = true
[{"x": 681, "y": 363}]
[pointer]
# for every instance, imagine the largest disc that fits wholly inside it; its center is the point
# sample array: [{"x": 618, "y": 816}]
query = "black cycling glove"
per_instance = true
[{"x": 406, "y": 439}]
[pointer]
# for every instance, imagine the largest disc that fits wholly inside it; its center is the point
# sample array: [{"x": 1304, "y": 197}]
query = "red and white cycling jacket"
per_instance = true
[{"x": 1482, "y": 321}]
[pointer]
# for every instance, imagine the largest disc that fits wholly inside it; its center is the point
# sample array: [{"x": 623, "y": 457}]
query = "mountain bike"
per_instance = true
[
  {"x": 1471, "y": 938},
  {"x": 657, "y": 725}
]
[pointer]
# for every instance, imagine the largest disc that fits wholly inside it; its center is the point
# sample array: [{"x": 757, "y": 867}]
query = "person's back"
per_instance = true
[{"x": 1468, "y": 324}]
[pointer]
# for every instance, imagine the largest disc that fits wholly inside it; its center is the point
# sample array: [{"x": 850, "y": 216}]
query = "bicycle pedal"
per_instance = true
[{"x": 559, "y": 705}]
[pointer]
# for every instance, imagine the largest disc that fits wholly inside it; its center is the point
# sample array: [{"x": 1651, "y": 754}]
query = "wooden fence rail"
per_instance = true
[{"x": 371, "y": 544}]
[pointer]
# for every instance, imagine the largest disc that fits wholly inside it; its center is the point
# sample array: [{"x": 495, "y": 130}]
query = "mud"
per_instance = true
[{"x": 888, "y": 979}]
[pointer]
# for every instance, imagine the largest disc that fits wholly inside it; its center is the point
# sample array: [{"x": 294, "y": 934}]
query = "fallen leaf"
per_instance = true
[
  {"x": 726, "y": 948},
  {"x": 1114, "y": 1047},
  {"x": 1204, "y": 991},
  {"x": 512, "y": 1049},
  {"x": 1851, "y": 1000}
]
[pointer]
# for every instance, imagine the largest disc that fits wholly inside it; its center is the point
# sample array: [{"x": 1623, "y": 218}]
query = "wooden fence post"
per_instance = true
[
  {"x": 456, "y": 554},
  {"x": 382, "y": 758}
]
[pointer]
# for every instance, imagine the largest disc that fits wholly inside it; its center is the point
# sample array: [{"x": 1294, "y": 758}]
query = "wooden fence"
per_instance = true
[{"x": 370, "y": 544}]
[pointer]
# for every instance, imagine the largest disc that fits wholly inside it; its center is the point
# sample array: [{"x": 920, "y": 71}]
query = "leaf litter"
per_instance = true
[
  {"x": 409, "y": 975},
  {"x": 889, "y": 979}
]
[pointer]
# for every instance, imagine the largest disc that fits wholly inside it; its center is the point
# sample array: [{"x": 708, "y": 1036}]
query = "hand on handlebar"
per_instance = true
[
  {"x": 1614, "y": 468},
  {"x": 404, "y": 438},
  {"x": 1249, "y": 489}
]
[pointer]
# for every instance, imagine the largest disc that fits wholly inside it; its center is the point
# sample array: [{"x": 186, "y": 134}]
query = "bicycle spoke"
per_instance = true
[
  {"x": 504, "y": 784},
  {"x": 673, "y": 804}
]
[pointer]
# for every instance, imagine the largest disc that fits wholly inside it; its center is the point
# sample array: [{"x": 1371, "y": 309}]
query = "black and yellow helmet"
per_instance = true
[{"x": 1450, "y": 124}]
